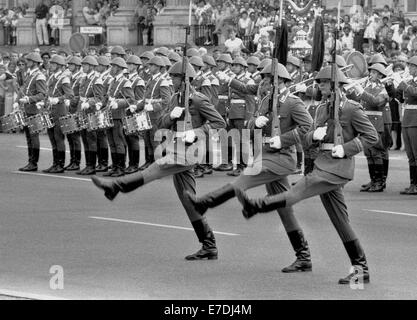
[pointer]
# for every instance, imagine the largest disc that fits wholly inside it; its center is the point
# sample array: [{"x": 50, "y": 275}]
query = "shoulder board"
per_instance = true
[
  {"x": 140, "y": 82},
  {"x": 66, "y": 80},
  {"x": 206, "y": 82},
  {"x": 99, "y": 81},
  {"x": 215, "y": 82},
  {"x": 164, "y": 83},
  {"x": 127, "y": 84},
  {"x": 250, "y": 81},
  {"x": 40, "y": 77}
]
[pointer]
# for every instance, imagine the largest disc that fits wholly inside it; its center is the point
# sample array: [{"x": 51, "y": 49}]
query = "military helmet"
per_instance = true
[
  {"x": 209, "y": 60},
  {"x": 167, "y": 63},
  {"x": 326, "y": 74},
  {"x": 173, "y": 56},
  {"x": 91, "y": 60},
  {"x": 380, "y": 68},
  {"x": 253, "y": 60},
  {"x": 264, "y": 63},
  {"x": 134, "y": 59},
  {"x": 294, "y": 60},
  {"x": 157, "y": 61},
  {"x": 225, "y": 58},
  {"x": 74, "y": 60},
  {"x": 120, "y": 62},
  {"x": 240, "y": 61},
  {"x": 196, "y": 61},
  {"x": 192, "y": 52},
  {"x": 377, "y": 58},
  {"x": 35, "y": 57},
  {"x": 412, "y": 60},
  {"x": 282, "y": 71},
  {"x": 103, "y": 60},
  {"x": 340, "y": 61},
  {"x": 177, "y": 69},
  {"x": 60, "y": 60},
  {"x": 118, "y": 50},
  {"x": 163, "y": 51},
  {"x": 147, "y": 55}
]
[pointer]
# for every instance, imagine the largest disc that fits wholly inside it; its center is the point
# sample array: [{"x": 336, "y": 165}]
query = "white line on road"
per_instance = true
[
  {"x": 159, "y": 225},
  {"x": 26, "y": 295},
  {"x": 50, "y": 175},
  {"x": 392, "y": 212},
  {"x": 45, "y": 149}
]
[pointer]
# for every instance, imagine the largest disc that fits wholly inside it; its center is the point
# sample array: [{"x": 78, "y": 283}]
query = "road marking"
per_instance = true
[
  {"x": 159, "y": 225},
  {"x": 27, "y": 295},
  {"x": 392, "y": 212},
  {"x": 391, "y": 158},
  {"x": 45, "y": 149},
  {"x": 50, "y": 175}
]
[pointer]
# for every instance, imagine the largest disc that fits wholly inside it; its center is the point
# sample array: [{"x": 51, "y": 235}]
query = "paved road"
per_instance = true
[{"x": 131, "y": 248}]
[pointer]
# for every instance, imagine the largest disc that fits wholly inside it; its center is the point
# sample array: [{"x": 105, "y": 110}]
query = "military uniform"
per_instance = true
[
  {"x": 224, "y": 101},
  {"x": 36, "y": 90},
  {"x": 202, "y": 84}
]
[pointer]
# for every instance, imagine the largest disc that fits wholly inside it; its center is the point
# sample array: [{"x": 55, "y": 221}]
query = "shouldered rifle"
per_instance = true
[
  {"x": 276, "y": 128},
  {"x": 185, "y": 92}
]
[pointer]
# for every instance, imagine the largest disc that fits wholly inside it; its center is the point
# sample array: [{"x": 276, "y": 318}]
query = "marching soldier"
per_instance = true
[
  {"x": 253, "y": 64},
  {"x": 165, "y": 74},
  {"x": 156, "y": 100},
  {"x": 91, "y": 95},
  {"x": 207, "y": 72},
  {"x": 203, "y": 117},
  {"x": 373, "y": 98},
  {"x": 201, "y": 83},
  {"x": 293, "y": 67},
  {"x": 120, "y": 97},
  {"x": 103, "y": 71},
  {"x": 174, "y": 57},
  {"x": 117, "y": 51},
  {"x": 74, "y": 139},
  {"x": 33, "y": 91},
  {"x": 334, "y": 167},
  {"x": 162, "y": 52},
  {"x": 408, "y": 89},
  {"x": 138, "y": 86},
  {"x": 277, "y": 161},
  {"x": 60, "y": 94},
  {"x": 143, "y": 71}
]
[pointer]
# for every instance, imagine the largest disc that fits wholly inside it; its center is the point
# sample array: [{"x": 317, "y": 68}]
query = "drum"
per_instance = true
[
  {"x": 39, "y": 122},
  {"x": 13, "y": 121},
  {"x": 360, "y": 67},
  {"x": 136, "y": 123},
  {"x": 71, "y": 123},
  {"x": 99, "y": 120}
]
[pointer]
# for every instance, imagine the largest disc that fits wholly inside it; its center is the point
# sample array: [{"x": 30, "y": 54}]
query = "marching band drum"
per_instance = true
[
  {"x": 13, "y": 121},
  {"x": 136, "y": 123}
]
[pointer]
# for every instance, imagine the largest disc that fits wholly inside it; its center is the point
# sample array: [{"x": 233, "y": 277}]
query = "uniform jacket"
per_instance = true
[
  {"x": 35, "y": 89},
  {"x": 59, "y": 86},
  {"x": 358, "y": 133},
  {"x": 202, "y": 84},
  {"x": 259, "y": 90},
  {"x": 121, "y": 91},
  {"x": 223, "y": 93},
  {"x": 245, "y": 109},
  {"x": 256, "y": 77},
  {"x": 91, "y": 91},
  {"x": 145, "y": 74},
  {"x": 76, "y": 79},
  {"x": 407, "y": 93}
]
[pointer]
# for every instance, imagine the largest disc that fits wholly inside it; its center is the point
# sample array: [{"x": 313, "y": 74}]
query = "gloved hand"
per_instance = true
[
  {"x": 320, "y": 133},
  {"x": 53, "y": 101},
  {"x": 224, "y": 77},
  {"x": 148, "y": 107},
  {"x": 275, "y": 142},
  {"x": 189, "y": 136},
  {"x": 25, "y": 99},
  {"x": 40, "y": 104},
  {"x": 67, "y": 102},
  {"x": 113, "y": 104},
  {"x": 176, "y": 113},
  {"x": 84, "y": 105},
  {"x": 132, "y": 108},
  {"x": 338, "y": 151},
  {"x": 99, "y": 105},
  {"x": 300, "y": 87},
  {"x": 359, "y": 89},
  {"x": 15, "y": 106},
  {"x": 261, "y": 121}
]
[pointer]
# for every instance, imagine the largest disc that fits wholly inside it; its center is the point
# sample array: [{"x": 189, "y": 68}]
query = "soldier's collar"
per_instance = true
[
  {"x": 119, "y": 76},
  {"x": 156, "y": 76},
  {"x": 132, "y": 75},
  {"x": 32, "y": 71}
]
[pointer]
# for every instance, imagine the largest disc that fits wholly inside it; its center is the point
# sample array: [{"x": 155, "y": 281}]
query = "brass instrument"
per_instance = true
[{"x": 354, "y": 83}]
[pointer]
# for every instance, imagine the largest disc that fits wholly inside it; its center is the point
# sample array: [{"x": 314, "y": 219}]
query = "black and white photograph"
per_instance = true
[{"x": 208, "y": 155}]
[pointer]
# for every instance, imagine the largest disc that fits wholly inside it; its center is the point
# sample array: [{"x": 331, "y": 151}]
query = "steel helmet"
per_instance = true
[
  {"x": 120, "y": 62},
  {"x": 177, "y": 69},
  {"x": 174, "y": 57},
  {"x": 196, "y": 61},
  {"x": 147, "y": 55},
  {"x": 340, "y": 61},
  {"x": 294, "y": 60},
  {"x": 412, "y": 60},
  {"x": 167, "y": 63},
  {"x": 209, "y": 60},
  {"x": 282, "y": 71},
  {"x": 134, "y": 59},
  {"x": 240, "y": 61},
  {"x": 254, "y": 61},
  {"x": 60, "y": 60},
  {"x": 163, "y": 51},
  {"x": 380, "y": 68},
  {"x": 35, "y": 57},
  {"x": 225, "y": 58},
  {"x": 264, "y": 63},
  {"x": 91, "y": 60},
  {"x": 118, "y": 50},
  {"x": 377, "y": 58},
  {"x": 74, "y": 60},
  {"x": 326, "y": 74},
  {"x": 103, "y": 60},
  {"x": 192, "y": 52},
  {"x": 157, "y": 61}
]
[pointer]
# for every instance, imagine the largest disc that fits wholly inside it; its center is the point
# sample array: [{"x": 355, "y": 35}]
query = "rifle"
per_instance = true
[{"x": 335, "y": 95}]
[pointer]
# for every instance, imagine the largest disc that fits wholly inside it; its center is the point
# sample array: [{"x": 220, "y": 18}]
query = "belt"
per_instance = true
[
  {"x": 374, "y": 113},
  {"x": 223, "y": 97},
  {"x": 326, "y": 146},
  {"x": 237, "y": 101},
  {"x": 411, "y": 106}
]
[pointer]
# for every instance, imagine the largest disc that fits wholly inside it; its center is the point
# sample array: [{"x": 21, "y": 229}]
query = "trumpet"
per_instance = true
[
  {"x": 347, "y": 67},
  {"x": 354, "y": 83},
  {"x": 292, "y": 87}
]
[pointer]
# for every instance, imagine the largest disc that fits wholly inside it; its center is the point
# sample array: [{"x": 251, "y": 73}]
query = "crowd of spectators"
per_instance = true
[{"x": 8, "y": 21}]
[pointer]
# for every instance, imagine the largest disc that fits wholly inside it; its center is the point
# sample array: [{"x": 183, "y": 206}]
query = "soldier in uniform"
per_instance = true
[
  {"x": 408, "y": 89},
  {"x": 373, "y": 98},
  {"x": 91, "y": 95},
  {"x": 293, "y": 67},
  {"x": 74, "y": 139},
  {"x": 143, "y": 71},
  {"x": 334, "y": 167},
  {"x": 174, "y": 57},
  {"x": 156, "y": 100},
  {"x": 165, "y": 74},
  {"x": 138, "y": 85},
  {"x": 277, "y": 161},
  {"x": 203, "y": 117},
  {"x": 120, "y": 96},
  {"x": 33, "y": 91},
  {"x": 253, "y": 64},
  {"x": 103, "y": 71},
  {"x": 117, "y": 51}
]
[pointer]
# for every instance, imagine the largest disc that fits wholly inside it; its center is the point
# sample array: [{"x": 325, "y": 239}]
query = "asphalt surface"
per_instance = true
[{"x": 134, "y": 247}]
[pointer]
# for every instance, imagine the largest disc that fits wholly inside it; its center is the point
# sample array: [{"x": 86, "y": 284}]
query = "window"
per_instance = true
[{"x": 411, "y": 6}]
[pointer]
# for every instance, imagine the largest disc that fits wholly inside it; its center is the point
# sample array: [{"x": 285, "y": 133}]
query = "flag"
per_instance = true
[{"x": 318, "y": 45}]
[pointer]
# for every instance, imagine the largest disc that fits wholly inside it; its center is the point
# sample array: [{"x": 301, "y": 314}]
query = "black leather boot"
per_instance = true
[
  {"x": 54, "y": 161},
  {"x": 29, "y": 160},
  {"x": 412, "y": 190},
  {"x": 91, "y": 167},
  {"x": 224, "y": 167},
  {"x": 87, "y": 162},
  {"x": 120, "y": 166},
  {"x": 148, "y": 161},
  {"x": 33, "y": 161},
  {"x": 302, "y": 252},
  {"x": 59, "y": 168},
  {"x": 75, "y": 165},
  {"x": 133, "y": 162},
  {"x": 198, "y": 171},
  {"x": 112, "y": 187},
  {"x": 102, "y": 159},
  {"x": 359, "y": 263},
  {"x": 366, "y": 187},
  {"x": 206, "y": 237},
  {"x": 211, "y": 199},
  {"x": 114, "y": 165},
  {"x": 299, "y": 162},
  {"x": 72, "y": 159},
  {"x": 386, "y": 169},
  {"x": 253, "y": 206},
  {"x": 378, "y": 186},
  {"x": 207, "y": 168}
]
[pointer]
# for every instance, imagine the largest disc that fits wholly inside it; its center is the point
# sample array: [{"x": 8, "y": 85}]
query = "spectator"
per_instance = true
[
  {"x": 140, "y": 19},
  {"x": 244, "y": 25},
  {"x": 90, "y": 13},
  {"x": 41, "y": 14},
  {"x": 347, "y": 38},
  {"x": 384, "y": 28},
  {"x": 399, "y": 33},
  {"x": 370, "y": 30},
  {"x": 233, "y": 44},
  {"x": 358, "y": 28},
  {"x": 265, "y": 44}
]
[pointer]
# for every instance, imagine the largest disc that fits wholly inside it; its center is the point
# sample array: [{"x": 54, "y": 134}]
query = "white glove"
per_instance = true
[
  {"x": 189, "y": 136},
  {"x": 15, "y": 106},
  {"x": 98, "y": 106},
  {"x": 25, "y": 99},
  {"x": 132, "y": 108},
  {"x": 275, "y": 142},
  {"x": 359, "y": 89},
  {"x": 320, "y": 133},
  {"x": 261, "y": 121},
  {"x": 224, "y": 77},
  {"x": 113, "y": 104},
  {"x": 40, "y": 104},
  {"x": 176, "y": 113},
  {"x": 53, "y": 101},
  {"x": 300, "y": 87},
  {"x": 148, "y": 107},
  {"x": 67, "y": 102},
  {"x": 338, "y": 151}
]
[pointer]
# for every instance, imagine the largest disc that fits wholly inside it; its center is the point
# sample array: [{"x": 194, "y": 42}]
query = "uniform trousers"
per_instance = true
[
  {"x": 238, "y": 124},
  {"x": 32, "y": 141},
  {"x": 116, "y": 138},
  {"x": 102, "y": 147},
  {"x": 150, "y": 143},
  {"x": 89, "y": 139},
  {"x": 375, "y": 154},
  {"x": 132, "y": 147},
  {"x": 56, "y": 137},
  {"x": 410, "y": 142}
]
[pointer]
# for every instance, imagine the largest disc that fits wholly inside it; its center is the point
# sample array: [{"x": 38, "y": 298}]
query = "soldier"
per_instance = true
[
  {"x": 143, "y": 71},
  {"x": 293, "y": 67},
  {"x": 156, "y": 100},
  {"x": 162, "y": 52},
  {"x": 174, "y": 57},
  {"x": 334, "y": 167},
  {"x": 207, "y": 72},
  {"x": 165, "y": 74},
  {"x": 253, "y": 64},
  {"x": 120, "y": 96},
  {"x": 408, "y": 89},
  {"x": 138, "y": 86},
  {"x": 277, "y": 161},
  {"x": 373, "y": 97},
  {"x": 60, "y": 94},
  {"x": 192, "y": 52},
  {"x": 103, "y": 71},
  {"x": 91, "y": 95},
  {"x": 33, "y": 91},
  {"x": 74, "y": 139},
  {"x": 242, "y": 108},
  {"x": 201, "y": 83},
  {"x": 117, "y": 51},
  {"x": 203, "y": 117}
]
